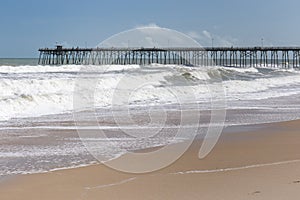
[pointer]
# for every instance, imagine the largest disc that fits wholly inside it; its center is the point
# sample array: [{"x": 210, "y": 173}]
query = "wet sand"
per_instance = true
[{"x": 256, "y": 162}]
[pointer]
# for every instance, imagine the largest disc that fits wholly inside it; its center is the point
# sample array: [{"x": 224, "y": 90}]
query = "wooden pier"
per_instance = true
[{"x": 281, "y": 57}]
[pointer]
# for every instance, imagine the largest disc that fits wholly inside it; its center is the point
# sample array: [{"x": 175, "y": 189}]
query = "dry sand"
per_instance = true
[{"x": 262, "y": 163}]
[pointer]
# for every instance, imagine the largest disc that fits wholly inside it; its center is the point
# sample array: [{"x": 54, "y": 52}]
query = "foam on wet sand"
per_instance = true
[{"x": 259, "y": 162}]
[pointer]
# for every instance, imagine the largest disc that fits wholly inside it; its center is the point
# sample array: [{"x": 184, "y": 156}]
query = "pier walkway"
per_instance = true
[{"x": 283, "y": 57}]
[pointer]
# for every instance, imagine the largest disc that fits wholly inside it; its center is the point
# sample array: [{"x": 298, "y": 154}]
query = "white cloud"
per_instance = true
[
  {"x": 151, "y": 25},
  {"x": 207, "y": 34},
  {"x": 194, "y": 35},
  {"x": 148, "y": 37},
  {"x": 205, "y": 38}
]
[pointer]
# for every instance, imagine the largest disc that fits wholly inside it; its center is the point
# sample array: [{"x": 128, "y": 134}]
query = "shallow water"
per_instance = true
[{"x": 38, "y": 132}]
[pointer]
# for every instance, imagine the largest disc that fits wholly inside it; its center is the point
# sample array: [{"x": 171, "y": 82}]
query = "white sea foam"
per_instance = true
[
  {"x": 31, "y": 91},
  {"x": 236, "y": 168},
  {"x": 39, "y": 69},
  {"x": 263, "y": 88},
  {"x": 42, "y": 90},
  {"x": 238, "y": 69},
  {"x": 111, "y": 184}
]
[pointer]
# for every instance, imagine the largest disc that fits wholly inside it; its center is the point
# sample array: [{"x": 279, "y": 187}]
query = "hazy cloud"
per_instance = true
[
  {"x": 151, "y": 25},
  {"x": 205, "y": 38},
  {"x": 194, "y": 35},
  {"x": 207, "y": 34}
]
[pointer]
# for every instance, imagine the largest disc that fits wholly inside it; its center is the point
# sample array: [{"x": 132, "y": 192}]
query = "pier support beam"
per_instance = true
[{"x": 215, "y": 56}]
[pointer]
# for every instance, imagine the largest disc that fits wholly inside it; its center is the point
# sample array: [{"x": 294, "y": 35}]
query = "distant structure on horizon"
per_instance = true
[{"x": 282, "y": 57}]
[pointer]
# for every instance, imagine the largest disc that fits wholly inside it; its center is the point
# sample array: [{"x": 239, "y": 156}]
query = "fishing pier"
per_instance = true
[{"x": 281, "y": 57}]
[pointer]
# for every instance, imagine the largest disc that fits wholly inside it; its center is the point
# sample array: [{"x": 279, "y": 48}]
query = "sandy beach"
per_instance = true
[
  {"x": 149, "y": 100},
  {"x": 253, "y": 162}
]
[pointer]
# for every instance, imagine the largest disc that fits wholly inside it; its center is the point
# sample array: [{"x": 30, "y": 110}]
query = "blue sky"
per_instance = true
[{"x": 27, "y": 25}]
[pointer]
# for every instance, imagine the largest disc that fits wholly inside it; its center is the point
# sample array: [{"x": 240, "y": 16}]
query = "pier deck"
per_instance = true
[{"x": 283, "y": 57}]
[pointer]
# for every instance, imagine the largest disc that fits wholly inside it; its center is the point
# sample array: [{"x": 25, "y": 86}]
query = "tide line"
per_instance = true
[
  {"x": 235, "y": 168},
  {"x": 112, "y": 184}
]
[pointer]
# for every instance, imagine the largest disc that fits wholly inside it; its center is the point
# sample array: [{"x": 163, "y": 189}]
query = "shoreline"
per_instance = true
[
  {"x": 229, "y": 129},
  {"x": 271, "y": 153}
]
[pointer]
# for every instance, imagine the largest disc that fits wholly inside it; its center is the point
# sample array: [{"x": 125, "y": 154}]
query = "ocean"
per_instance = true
[{"x": 38, "y": 127}]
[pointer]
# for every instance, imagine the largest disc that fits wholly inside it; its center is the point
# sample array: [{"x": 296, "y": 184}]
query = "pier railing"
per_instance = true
[{"x": 283, "y": 57}]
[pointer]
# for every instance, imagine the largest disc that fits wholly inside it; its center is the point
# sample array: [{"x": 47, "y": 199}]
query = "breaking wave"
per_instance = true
[{"x": 28, "y": 91}]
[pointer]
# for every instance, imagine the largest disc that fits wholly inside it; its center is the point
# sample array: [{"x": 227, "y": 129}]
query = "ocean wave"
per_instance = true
[{"x": 44, "y": 94}]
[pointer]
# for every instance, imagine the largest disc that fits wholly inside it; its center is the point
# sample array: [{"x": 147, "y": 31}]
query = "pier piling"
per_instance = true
[{"x": 281, "y": 57}]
